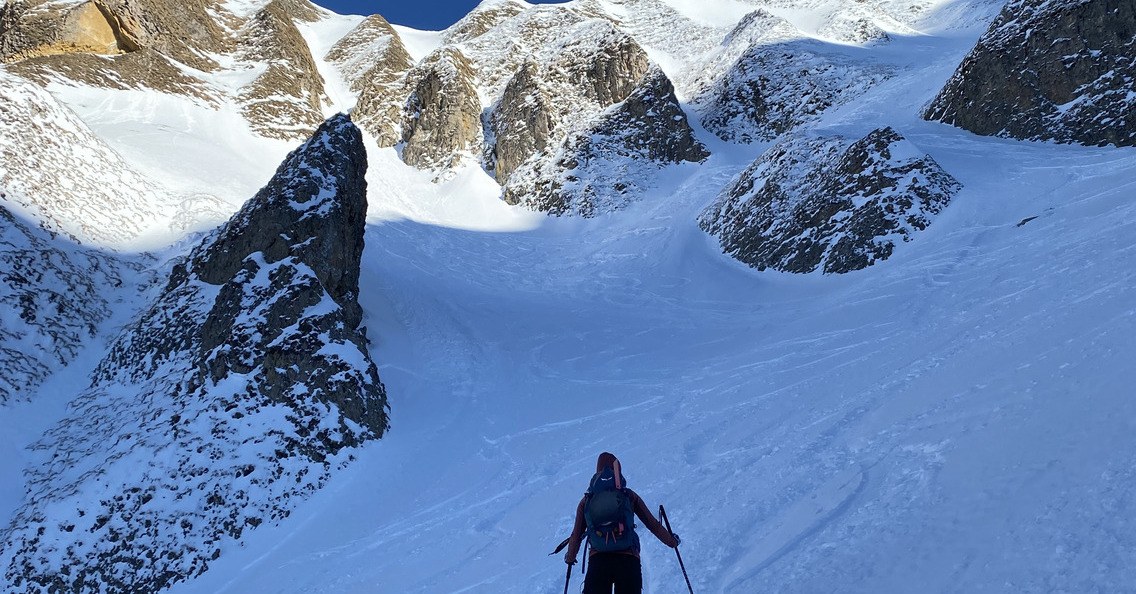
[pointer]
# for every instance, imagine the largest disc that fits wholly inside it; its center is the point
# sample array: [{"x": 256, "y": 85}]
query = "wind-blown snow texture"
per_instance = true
[
  {"x": 957, "y": 418},
  {"x": 55, "y": 169},
  {"x": 53, "y": 299},
  {"x": 228, "y": 400}
]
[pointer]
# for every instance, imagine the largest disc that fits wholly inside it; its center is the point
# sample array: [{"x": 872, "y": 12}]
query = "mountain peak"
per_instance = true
[{"x": 232, "y": 395}]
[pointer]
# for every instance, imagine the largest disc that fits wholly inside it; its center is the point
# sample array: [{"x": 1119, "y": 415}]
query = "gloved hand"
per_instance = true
[
  {"x": 678, "y": 540},
  {"x": 569, "y": 560}
]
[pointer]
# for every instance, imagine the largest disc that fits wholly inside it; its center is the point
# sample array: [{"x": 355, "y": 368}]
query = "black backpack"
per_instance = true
[{"x": 608, "y": 513}]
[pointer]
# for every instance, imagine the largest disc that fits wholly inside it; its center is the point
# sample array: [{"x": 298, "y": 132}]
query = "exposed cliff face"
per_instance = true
[
  {"x": 603, "y": 167},
  {"x": 605, "y": 70},
  {"x": 286, "y": 101},
  {"x": 93, "y": 42},
  {"x": 375, "y": 62},
  {"x": 230, "y": 398},
  {"x": 1049, "y": 70},
  {"x": 594, "y": 67},
  {"x": 30, "y": 29},
  {"x": 134, "y": 44},
  {"x": 185, "y": 31},
  {"x": 522, "y": 123},
  {"x": 829, "y": 203},
  {"x": 442, "y": 117}
]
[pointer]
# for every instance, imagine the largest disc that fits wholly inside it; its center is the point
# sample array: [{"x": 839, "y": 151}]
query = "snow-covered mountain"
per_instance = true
[
  {"x": 739, "y": 243},
  {"x": 230, "y": 396}
]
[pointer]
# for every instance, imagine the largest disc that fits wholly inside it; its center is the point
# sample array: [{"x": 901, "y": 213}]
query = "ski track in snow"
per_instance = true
[
  {"x": 880, "y": 431},
  {"x": 957, "y": 418}
]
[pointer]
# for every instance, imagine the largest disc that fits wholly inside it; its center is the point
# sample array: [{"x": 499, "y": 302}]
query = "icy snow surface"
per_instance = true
[{"x": 955, "y": 419}]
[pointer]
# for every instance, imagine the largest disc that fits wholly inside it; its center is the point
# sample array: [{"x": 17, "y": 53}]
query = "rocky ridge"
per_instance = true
[
  {"x": 181, "y": 48},
  {"x": 374, "y": 61},
  {"x": 604, "y": 167},
  {"x": 829, "y": 203},
  {"x": 286, "y": 101},
  {"x": 552, "y": 73},
  {"x": 594, "y": 67},
  {"x": 780, "y": 81},
  {"x": 1048, "y": 70},
  {"x": 509, "y": 81},
  {"x": 235, "y": 394},
  {"x": 484, "y": 17}
]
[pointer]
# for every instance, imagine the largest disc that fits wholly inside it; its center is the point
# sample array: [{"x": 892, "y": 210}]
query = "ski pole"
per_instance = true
[
  {"x": 663, "y": 515},
  {"x": 567, "y": 578}
]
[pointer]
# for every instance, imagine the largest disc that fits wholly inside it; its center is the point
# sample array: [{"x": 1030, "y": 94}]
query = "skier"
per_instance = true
[{"x": 606, "y": 515}]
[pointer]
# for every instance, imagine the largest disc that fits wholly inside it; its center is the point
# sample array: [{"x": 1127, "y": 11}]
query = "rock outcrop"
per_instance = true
[
  {"x": 522, "y": 123},
  {"x": 126, "y": 44},
  {"x": 185, "y": 31},
  {"x": 604, "y": 167},
  {"x": 605, "y": 64},
  {"x": 442, "y": 118},
  {"x": 235, "y": 394},
  {"x": 56, "y": 171},
  {"x": 102, "y": 43},
  {"x": 287, "y": 100},
  {"x": 829, "y": 203},
  {"x": 375, "y": 63},
  {"x": 583, "y": 129},
  {"x": 595, "y": 66},
  {"x": 1049, "y": 70},
  {"x": 779, "y": 83},
  {"x": 29, "y": 29},
  {"x": 481, "y": 19}
]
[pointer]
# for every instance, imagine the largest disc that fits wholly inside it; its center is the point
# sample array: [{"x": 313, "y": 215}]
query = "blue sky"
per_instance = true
[{"x": 421, "y": 14}]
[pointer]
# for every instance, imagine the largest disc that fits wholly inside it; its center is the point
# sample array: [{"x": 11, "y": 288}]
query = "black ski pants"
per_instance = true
[{"x": 620, "y": 570}]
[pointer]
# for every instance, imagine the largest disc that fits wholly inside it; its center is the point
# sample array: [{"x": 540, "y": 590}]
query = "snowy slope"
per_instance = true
[
  {"x": 59, "y": 173},
  {"x": 955, "y": 419}
]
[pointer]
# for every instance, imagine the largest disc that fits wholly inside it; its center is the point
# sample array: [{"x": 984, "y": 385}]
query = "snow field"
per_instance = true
[
  {"x": 955, "y": 419},
  {"x": 951, "y": 420}
]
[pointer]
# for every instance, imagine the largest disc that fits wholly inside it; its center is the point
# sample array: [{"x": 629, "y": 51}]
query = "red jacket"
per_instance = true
[{"x": 637, "y": 505}]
